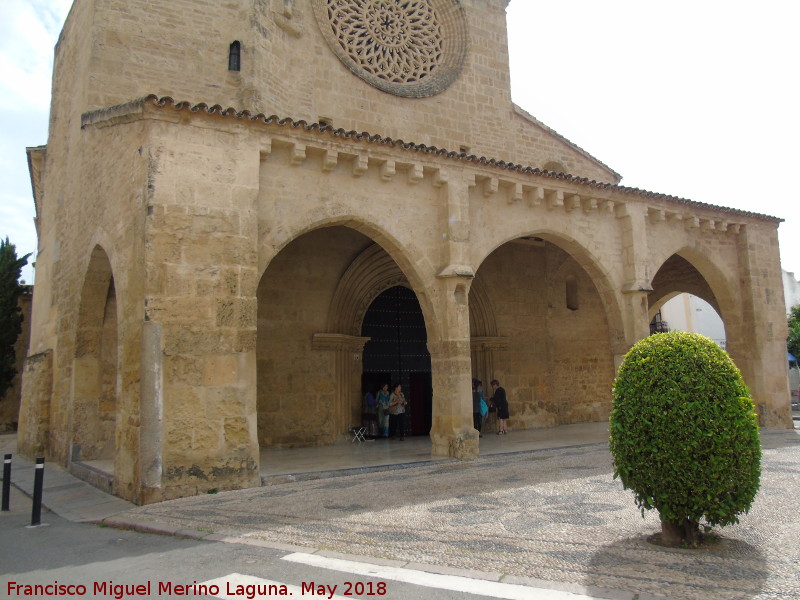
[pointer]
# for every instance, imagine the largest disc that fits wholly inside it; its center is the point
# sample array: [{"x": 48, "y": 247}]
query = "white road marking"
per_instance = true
[
  {"x": 260, "y": 588},
  {"x": 454, "y": 583}
]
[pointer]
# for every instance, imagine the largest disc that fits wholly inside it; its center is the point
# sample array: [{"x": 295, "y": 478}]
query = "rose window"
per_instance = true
[{"x": 405, "y": 47}]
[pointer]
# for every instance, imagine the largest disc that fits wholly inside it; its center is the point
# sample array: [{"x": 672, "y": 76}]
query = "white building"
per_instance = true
[
  {"x": 686, "y": 312},
  {"x": 791, "y": 290}
]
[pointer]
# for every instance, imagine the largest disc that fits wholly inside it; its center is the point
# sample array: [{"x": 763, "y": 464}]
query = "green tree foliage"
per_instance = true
[
  {"x": 10, "y": 312},
  {"x": 793, "y": 341},
  {"x": 684, "y": 433}
]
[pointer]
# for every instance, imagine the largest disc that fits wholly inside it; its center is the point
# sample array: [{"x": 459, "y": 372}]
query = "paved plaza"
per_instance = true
[{"x": 548, "y": 517}]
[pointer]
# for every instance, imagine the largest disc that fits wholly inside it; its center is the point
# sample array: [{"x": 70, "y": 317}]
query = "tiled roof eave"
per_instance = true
[{"x": 166, "y": 102}]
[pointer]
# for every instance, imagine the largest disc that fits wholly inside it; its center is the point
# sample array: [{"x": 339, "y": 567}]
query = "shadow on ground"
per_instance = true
[{"x": 724, "y": 569}]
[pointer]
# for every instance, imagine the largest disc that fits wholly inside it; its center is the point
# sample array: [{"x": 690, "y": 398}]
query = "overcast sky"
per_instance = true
[{"x": 696, "y": 99}]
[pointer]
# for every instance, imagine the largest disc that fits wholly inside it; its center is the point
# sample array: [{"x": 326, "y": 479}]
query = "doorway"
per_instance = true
[{"x": 398, "y": 353}]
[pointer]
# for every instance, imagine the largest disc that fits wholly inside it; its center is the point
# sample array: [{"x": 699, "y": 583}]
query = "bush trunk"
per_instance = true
[{"x": 680, "y": 533}]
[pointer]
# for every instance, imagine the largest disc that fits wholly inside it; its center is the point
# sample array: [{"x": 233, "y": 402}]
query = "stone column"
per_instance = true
[
  {"x": 34, "y": 415},
  {"x": 633, "y": 230},
  {"x": 151, "y": 415},
  {"x": 757, "y": 339},
  {"x": 452, "y": 433},
  {"x": 348, "y": 350}
]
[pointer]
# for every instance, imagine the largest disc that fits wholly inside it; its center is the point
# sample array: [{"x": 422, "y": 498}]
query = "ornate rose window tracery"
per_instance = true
[{"x": 412, "y": 48}]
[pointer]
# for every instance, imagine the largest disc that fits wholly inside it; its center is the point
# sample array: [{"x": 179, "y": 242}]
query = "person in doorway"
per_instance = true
[
  {"x": 501, "y": 402},
  {"x": 484, "y": 405},
  {"x": 397, "y": 413},
  {"x": 477, "y": 417},
  {"x": 384, "y": 398}
]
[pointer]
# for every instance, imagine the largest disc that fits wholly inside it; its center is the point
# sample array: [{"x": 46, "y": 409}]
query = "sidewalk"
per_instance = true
[
  {"x": 548, "y": 517},
  {"x": 62, "y": 493}
]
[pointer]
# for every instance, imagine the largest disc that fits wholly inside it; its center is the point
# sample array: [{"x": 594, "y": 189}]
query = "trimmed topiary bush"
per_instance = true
[{"x": 684, "y": 434}]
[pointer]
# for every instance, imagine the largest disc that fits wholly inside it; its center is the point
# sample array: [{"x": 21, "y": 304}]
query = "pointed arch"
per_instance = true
[
  {"x": 394, "y": 250},
  {"x": 371, "y": 273},
  {"x": 691, "y": 271},
  {"x": 600, "y": 275},
  {"x": 482, "y": 321},
  {"x": 95, "y": 371}
]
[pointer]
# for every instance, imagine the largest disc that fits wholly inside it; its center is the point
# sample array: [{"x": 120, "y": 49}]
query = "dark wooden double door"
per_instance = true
[{"x": 398, "y": 353}]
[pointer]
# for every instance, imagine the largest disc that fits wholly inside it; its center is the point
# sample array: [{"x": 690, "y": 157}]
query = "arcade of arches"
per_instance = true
[{"x": 337, "y": 318}]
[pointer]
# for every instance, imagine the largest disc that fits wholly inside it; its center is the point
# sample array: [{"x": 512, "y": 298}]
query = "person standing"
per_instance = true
[
  {"x": 397, "y": 413},
  {"x": 501, "y": 402},
  {"x": 384, "y": 398},
  {"x": 477, "y": 417}
]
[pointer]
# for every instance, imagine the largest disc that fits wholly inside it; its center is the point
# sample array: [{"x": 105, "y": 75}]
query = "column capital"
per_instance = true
[
  {"x": 338, "y": 341},
  {"x": 488, "y": 343}
]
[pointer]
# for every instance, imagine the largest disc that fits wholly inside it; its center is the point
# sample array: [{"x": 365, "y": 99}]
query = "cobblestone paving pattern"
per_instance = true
[{"x": 556, "y": 515}]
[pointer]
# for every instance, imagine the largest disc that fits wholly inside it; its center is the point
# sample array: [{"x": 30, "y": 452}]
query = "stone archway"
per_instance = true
[
  {"x": 678, "y": 275},
  {"x": 95, "y": 366},
  {"x": 542, "y": 319},
  {"x": 312, "y": 299}
]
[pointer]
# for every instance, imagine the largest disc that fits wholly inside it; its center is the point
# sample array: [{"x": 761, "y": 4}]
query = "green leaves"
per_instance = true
[
  {"x": 793, "y": 341},
  {"x": 10, "y": 313},
  {"x": 684, "y": 432}
]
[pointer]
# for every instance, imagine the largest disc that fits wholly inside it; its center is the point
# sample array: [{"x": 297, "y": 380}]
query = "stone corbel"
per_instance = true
[
  {"x": 656, "y": 215},
  {"x": 606, "y": 206},
  {"x": 621, "y": 211},
  {"x": 360, "y": 165},
  {"x": 266, "y": 147},
  {"x": 535, "y": 197},
  {"x": 517, "y": 193},
  {"x": 415, "y": 173},
  {"x": 490, "y": 186},
  {"x": 588, "y": 204},
  {"x": 388, "y": 170},
  {"x": 440, "y": 178},
  {"x": 330, "y": 160},
  {"x": 298, "y": 154},
  {"x": 571, "y": 202},
  {"x": 555, "y": 199}
]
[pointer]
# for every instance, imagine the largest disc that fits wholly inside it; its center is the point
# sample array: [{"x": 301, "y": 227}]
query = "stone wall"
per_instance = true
[{"x": 134, "y": 48}]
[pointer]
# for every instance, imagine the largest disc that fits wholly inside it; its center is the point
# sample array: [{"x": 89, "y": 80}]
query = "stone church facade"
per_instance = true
[{"x": 212, "y": 281}]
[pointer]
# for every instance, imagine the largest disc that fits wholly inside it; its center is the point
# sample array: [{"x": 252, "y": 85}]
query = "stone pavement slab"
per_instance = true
[
  {"x": 550, "y": 515},
  {"x": 549, "y": 518}
]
